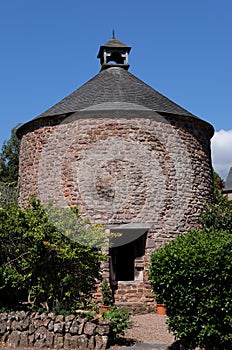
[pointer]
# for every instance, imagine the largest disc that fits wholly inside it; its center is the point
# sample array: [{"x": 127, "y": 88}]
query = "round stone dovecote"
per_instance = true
[{"x": 129, "y": 158}]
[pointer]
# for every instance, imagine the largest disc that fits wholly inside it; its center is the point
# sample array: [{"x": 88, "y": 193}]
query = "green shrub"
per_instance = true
[
  {"x": 107, "y": 297},
  {"x": 217, "y": 216},
  {"x": 39, "y": 266},
  {"x": 193, "y": 276},
  {"x": 119, "y": 319}
]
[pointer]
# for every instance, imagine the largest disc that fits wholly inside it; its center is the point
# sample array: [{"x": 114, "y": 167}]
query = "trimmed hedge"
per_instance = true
[{"x": 193, "y": 276}]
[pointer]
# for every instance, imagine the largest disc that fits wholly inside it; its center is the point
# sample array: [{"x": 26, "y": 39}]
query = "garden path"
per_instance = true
[{"x": 148, "y": 332}]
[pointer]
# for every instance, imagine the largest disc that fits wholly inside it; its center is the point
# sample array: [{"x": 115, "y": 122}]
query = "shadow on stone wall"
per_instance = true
[{"x": 27, "y": 329}]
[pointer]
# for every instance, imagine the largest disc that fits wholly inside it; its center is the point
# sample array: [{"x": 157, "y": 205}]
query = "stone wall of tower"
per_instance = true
[
  {"x": 125, "y": 170},
  {"x": 121, "y": 170}
]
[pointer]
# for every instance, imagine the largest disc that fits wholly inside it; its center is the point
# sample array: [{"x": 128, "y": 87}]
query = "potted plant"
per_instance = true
[
  {"x": 107, "y": 297},
  {"x": 161, "y": 308}
]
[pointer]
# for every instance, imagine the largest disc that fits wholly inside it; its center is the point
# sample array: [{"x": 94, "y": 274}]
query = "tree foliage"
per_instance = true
[
  {"x": 9, "y": 169},
  {"x": 219, "y": 215},
  {"x": 39, "y": 266},
  {"x": 193, "y": 276},
  {"x": 9, "y": 159},
  {"x": 8, "y": 193}
]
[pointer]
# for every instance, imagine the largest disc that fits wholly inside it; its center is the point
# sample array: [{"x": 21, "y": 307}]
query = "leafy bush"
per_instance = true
[
  {"x": 119, "y": 319},
  {"x": 72, "y": 225},
  {"x": 219, "y": 215},
  {"x": 192, "y": 275},
  {"x": 39, "y": 266},
  {"x": 107, "y": 297}
]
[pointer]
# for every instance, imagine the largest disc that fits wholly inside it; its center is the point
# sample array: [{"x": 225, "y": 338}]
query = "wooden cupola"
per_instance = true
[{"x": 114, "y": 54}]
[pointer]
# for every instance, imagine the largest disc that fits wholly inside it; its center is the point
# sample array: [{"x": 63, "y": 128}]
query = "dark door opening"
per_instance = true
[{"x": 123, "y": 259}]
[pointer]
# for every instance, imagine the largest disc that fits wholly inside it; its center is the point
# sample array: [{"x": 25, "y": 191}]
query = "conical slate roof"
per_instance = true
[
  {"x": 115, "y": 85},
  {"x": 113, "y": 88}
]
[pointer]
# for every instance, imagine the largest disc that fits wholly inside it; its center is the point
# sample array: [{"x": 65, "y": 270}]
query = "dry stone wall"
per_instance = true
[{"x": 23, "y": 329}]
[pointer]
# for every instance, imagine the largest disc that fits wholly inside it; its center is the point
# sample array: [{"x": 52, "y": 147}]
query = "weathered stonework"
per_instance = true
[
  {"x": 27, "y": 330},
  {"x": 122, "y": 171}
]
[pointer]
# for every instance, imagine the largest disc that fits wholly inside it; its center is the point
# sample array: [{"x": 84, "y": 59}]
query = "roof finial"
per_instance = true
[{"x": 113, "y": 34}]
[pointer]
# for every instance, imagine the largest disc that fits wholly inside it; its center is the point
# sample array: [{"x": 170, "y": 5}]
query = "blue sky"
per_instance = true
[{"x": 181, "y": 48}]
